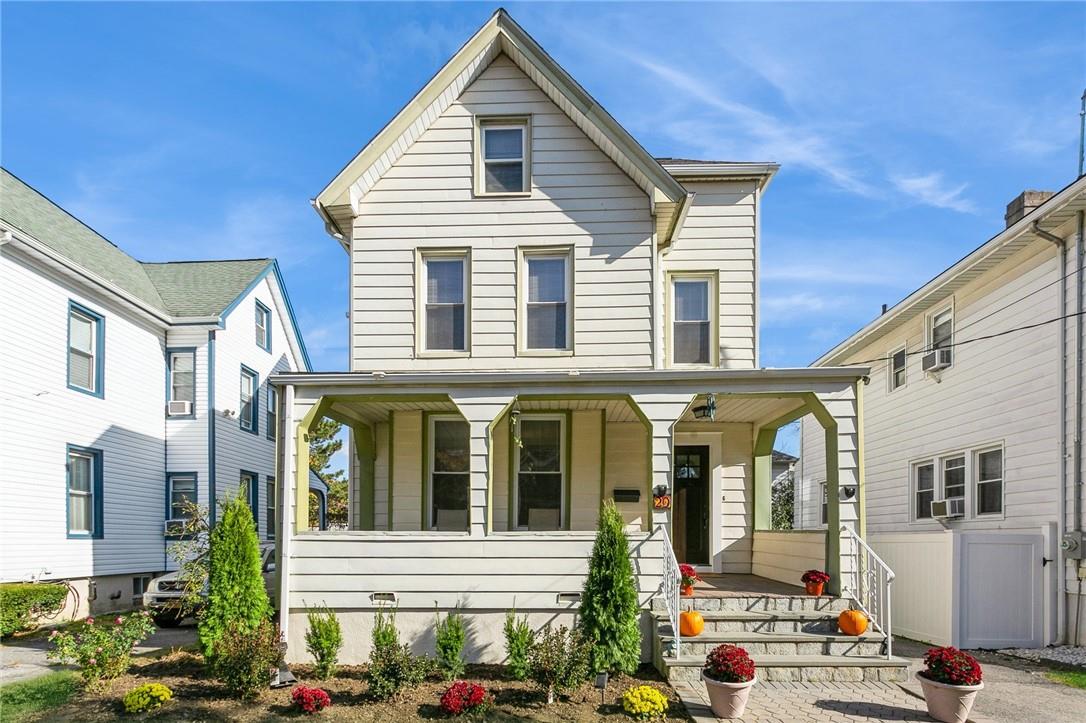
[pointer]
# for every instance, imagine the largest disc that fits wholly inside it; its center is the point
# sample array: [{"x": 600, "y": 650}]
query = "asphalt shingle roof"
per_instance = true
[{"x": 203, "y": 288}]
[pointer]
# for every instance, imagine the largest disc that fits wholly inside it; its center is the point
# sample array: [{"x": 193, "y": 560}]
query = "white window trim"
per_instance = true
[
  {"x": 87, "y": 494},
  {"x": 428, "y": 483},
  {"x": 970, "y": 454},
  {"x": 713, "y": 280},
  {"x": 974, "y": 483},
  {"x": 523, "y": 254},
  {"x": 914, "y": 490},
  {"x": 563, "y": 462},
  {"x": 523, "y": 122},
  {"x": 890, "y": 369},
  {"x": 966, "y": 474},
  {"x": 421, "y": 255},
  {"x": 929, "y": 328}
]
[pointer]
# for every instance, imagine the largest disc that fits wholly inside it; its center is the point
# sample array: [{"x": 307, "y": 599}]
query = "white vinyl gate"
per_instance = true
[{"x": 1000, "y": 590}]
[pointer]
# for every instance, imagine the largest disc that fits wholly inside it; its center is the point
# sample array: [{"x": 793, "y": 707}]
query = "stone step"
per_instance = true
[
  {"x": 800, "y": 668},
  {"x": 755, "y": 621},
  {"x": 765, "y": 603},
  {"x": 868, "y": 644}
]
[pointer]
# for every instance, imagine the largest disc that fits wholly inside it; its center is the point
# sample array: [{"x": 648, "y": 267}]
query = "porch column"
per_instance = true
[
  {"x": 659, "y": 411},
  {"x": 481, "y": 408},
  {"x": 837, "y": 412}
]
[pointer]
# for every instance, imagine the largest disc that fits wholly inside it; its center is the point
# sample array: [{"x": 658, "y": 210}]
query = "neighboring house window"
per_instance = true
[
  {"x": 825, "y": 514},
  {"x": 503, "y": 159},
  {"x": 942, "y": 331},
  {"x": 445, "y": 284},
  {"x": 692, "y": 326},
  {"x": 181, "y": 489},
  {"x": 450, "y": 455},
  {"x": 272, "y": 420},
  {"x": 924, "y": 485},
  {"x": 897, "y": 368},
  {"x": 269, "y": 511},
  {"x": 84, "y": 492},
  {"x": 540, "y": 473},
  {"x": 263, "y": 326},
  {"x": 990, "y": 482},
  {"x": 86, "y": 341},
  {"x": 182, "y": 367},
  {"x": 250, "y": 402},
  {"x": 546, "y": 315},
  {"x": 249, "y": 483},
  {"x": 954, "y": 478}
]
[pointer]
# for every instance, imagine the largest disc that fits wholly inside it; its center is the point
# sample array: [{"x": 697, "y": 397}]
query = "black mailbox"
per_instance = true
[{"x": 627, "y": 495}]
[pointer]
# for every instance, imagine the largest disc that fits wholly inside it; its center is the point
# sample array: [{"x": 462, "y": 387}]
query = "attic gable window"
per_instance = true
[{"x": 503, "y": 156}]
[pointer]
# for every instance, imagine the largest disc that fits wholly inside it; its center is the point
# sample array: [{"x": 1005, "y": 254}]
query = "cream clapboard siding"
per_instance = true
[
  {"x": 579, "y": 197},
  {"x": 626, "y": 456},
  {"x": 719, "y": 236},
  {"x": 41, "y": 416}
]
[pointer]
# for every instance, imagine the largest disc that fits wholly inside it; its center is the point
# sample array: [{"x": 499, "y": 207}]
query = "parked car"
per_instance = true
[{"x": 164, "y": 593}]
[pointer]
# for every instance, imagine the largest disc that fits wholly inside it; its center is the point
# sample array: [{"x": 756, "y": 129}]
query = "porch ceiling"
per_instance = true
[
  {"x": 371, "y": 412},
  {"x": 750, "y": 409},
  {"x": 618, "y": 410}
]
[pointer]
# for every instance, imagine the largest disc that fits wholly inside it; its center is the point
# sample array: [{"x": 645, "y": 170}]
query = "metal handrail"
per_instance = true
[
  {"x": 873, "y": 579},
  {"x": 670, "y": 586}
]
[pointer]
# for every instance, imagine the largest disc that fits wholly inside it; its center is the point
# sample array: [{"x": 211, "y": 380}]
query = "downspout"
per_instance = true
[
  {"x": 211, "y": 412},
  {"x": 1080, "y": 253}
]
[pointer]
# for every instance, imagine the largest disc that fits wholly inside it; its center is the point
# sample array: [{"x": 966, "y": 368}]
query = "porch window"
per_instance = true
[
  {"x": 990, "y": 482},
  {"x": 84, "y": 492},
  {"x": 181, "y": 489},
  {"x": 825, "y": 512},
  {"x": 86, "y": 343},
  {"x": 503, "y": 166},
  {"x": 540, "y": 473},
  {"x": 941, "y": 331},
  {"x": 445, "y": 284},
  {"x": 263, "y": 327},
  {"x": 249, "y": 408},
  {"x": 449, "y": 454},
  {"x": 897, "y": 369},
  {"x": 924, "y": 485},
  {"x": 691, "y": 326},
  {"x": 546, "y": 319},
  {"x": 954, "y": 478}
]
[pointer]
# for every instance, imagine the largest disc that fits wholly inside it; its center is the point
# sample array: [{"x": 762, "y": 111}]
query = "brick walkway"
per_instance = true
[{"x": 816, "y": 703}]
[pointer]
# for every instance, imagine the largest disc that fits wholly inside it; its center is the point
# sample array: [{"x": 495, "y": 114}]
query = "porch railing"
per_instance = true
[
  {"x": 670, "y": 587},
  {"x": 873, "y": 578}
]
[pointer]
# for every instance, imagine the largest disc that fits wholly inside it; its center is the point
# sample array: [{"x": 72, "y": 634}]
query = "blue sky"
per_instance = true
[{"x": 202, "y": 130}]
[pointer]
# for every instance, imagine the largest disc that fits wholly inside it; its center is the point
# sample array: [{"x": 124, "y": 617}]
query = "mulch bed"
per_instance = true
[{"x": 197, "y": 697}]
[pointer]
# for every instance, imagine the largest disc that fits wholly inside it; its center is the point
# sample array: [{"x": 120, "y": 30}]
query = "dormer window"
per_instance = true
[{"x": 503, "y": 156}]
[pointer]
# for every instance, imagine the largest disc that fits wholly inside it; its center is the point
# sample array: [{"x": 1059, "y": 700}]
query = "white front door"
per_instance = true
[{"x": 1000, "y": 590}]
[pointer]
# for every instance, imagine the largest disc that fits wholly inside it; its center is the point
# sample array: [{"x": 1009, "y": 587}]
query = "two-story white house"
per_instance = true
[
  {"x": 544, "y": 316},
  {"x": 973, "y": 419},
  {"x": 126, "y": 388}
]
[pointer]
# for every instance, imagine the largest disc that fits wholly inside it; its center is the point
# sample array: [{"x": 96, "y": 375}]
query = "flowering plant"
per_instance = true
[
  {"x": 462, "y": 698},
  {"x": 101, "y": 649},
  {"x": 815, "y": 576},
  {"x": 310, "y": 700},
  {"x": 148, "y": 696},
  {"x": 688, "y": 574},
  {"x": 644, "y": 702},
  {"x": 729, "y": 664},
  {"x": 952, "y": 667}
]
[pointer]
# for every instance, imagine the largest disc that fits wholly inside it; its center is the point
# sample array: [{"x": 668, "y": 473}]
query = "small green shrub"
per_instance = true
[
  {"x": 102, "y": 649},
  {"x": 148, "y": 696},
  {"x": 22, "y": 603},
  {"x": 559, "y": 661},
  {"x": 450, "y": 645},
  {"x": 244, "y": 659},
  {"x": 392, "y": 666},
  {"x": 519, "y": 638},
  {"x": 323, "y": 640}
]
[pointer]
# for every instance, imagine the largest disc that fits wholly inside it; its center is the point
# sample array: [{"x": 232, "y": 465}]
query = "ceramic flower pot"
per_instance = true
[
  {"x": 686, "y": 590},
  {"x": 815, "y": 588},
  {"x": 728, "y": 700},
  {"x": 948, "y": 703}
]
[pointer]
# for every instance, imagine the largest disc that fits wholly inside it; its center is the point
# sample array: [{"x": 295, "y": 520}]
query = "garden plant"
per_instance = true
[
  {"x": 644, "y": 702},
  {"x": 450, "y": 645},
  {"x": 323, "y": 640},
  {"x": 22, "y": 603},
  {"x": 102, "y": 649},
  {"x": 147, "y": 697},
  {"x": 559, "y": 661},
  {"x": 519, "y": 638},
  {"x": 392, "y": 666},
  {"x": 244, "y": 659},
  {"x": 309, "y": 700},
  {"x": 609, "y": 613},
  {"x": 468, "y": 701}
]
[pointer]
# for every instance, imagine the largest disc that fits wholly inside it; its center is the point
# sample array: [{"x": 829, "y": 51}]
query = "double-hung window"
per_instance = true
[
  {"x": 269, "y": 507},
  {"x": 923, "y": 489},
  {"x": 445, "y": 285},
  {"x": 692, "y": 320},
  {"x": 181, "y": 493},
  {"x": 182, "y": 366},
  {"x": 897, "y": 368},
  {"x": 546, "y": 315},
  {"x": 941, "y": 332},
  {"x": 249, "y": 408},
  {"x": 989, "y": 476},
  {"x": 449, "y": 455},
  {"x": 272, "y": 419},
  {"x": 540, "y": 468},
  {"x": 954, "y": 477},
  {"x": 84, "y": 481},
  {"x": 263, "y": 326},
  {"x": 86, "y": 341},
  {"x": 503, "y": 156}
]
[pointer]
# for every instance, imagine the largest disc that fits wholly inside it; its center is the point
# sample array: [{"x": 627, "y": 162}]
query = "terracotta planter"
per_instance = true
[
  {"x": 815, "y": 588},
  {"x": 728, "y": 700},
  {"x": 686, "y": 590},
  {"x": 948, "y": 703}
]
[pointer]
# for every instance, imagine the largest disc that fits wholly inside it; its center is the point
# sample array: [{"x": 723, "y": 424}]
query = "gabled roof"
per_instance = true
[
  {"x": 501, "y": 34},
  {"x": 204, "y": 288}
]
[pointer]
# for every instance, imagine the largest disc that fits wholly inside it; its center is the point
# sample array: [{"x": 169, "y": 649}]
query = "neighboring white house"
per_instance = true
[
  {"x": 126, "y": 388},
  {"x": 544, "y": 316},
  {"x": 972, "y": 421}
]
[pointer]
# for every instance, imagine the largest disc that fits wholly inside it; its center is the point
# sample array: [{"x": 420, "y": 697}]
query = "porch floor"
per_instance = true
[{"x": 716, "y": 585}]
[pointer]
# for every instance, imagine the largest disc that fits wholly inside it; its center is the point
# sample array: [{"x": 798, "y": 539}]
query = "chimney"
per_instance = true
[{"x": 1026, "y": 202}]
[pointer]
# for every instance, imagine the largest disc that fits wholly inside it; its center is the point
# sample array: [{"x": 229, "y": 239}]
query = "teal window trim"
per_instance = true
[
  {"x": 271, "y": 421},
  {"x": 170, "y": 351},
  {"x": 263, "y": 318},
  {"x": 254, "y": 404},
  {"x": 170, "y": 477},
  {"x": 253, "y": 493},
  {"x": 97, "y": 530},
  {"x": 99, "y": 349},
  {"x": 269, "y": 507}
]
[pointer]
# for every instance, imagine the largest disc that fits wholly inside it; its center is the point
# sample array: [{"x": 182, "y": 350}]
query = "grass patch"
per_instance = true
[
  {"x": 21, "y": 700},
  {"x": 1073, "y": 678}
]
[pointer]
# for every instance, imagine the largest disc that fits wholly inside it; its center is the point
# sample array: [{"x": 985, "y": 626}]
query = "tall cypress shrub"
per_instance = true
[
  {"x": 609, "y": 614},
  {"x": 236, "y": 598}
]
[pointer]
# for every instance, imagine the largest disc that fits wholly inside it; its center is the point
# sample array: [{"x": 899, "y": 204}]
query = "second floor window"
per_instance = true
[
  {"x": 897, "y": 369},
  {"x": 692, "y": 327},
  {"x": 263, "y": 326},
  {"x": 183, "y": 376},
  {"x": 272, "y": 422},
  {"x": 444, "y": 283},
  {"x": 85, "y": 348},
  {"x": 942, "y": 331},
  {"x": 249, "y": 408},
  {"x": 503, "y": 156},
  {"x": 546, "y": 301}
]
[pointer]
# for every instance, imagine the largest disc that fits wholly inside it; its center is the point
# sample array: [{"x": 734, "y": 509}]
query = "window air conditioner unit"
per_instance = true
[
  {"x": 179, "y": 408},
  {"x": 948, "y": 509},
  {"x": 936, "y": 360},
  {"x": 172, "y": 528}
]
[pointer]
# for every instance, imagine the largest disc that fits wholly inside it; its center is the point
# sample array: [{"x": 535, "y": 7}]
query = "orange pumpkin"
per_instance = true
[
  {"x": 691, "y": 623},
  {"x": 852, "y": 622}
]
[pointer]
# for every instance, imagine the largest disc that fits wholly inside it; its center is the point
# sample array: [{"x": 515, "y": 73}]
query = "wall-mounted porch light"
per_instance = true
[{"x": 707, "y": 410}]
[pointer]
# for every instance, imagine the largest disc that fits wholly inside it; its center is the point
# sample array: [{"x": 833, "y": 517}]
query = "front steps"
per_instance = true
[{"x": 791, "y": 638}]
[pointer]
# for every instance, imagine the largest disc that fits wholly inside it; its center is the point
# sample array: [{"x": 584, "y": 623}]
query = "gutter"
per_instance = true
[{"x": 330, "y": 225}]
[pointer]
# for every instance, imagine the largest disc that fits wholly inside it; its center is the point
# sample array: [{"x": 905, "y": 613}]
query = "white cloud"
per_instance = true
[{"x": 932, "y": 189}]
